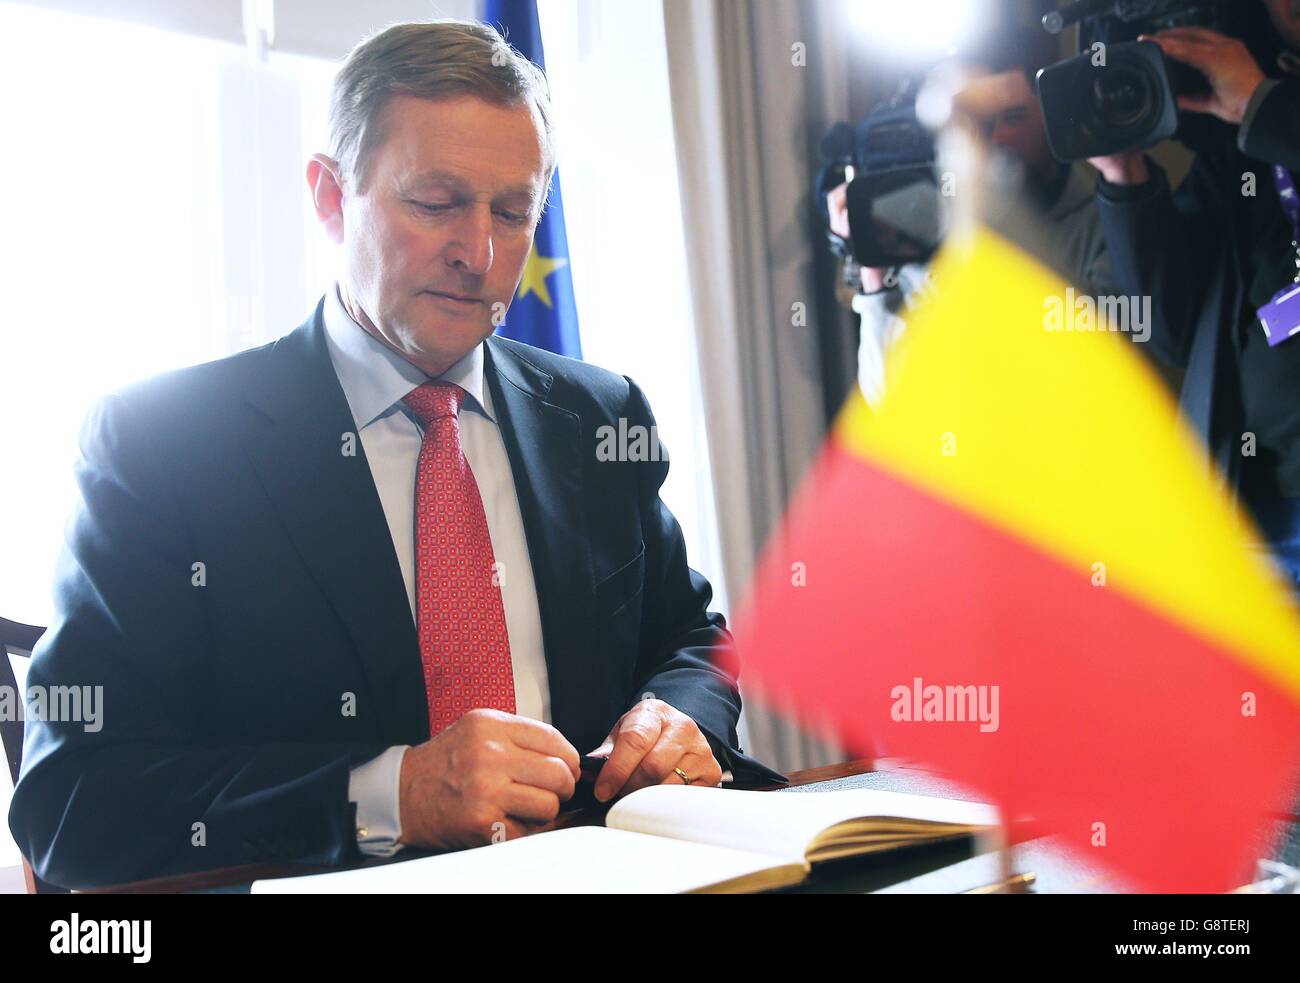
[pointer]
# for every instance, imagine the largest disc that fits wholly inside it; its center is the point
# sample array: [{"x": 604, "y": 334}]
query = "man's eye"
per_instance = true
[
  {"x": 433, "y": 207},
  {"x": 514, "y": 218}
]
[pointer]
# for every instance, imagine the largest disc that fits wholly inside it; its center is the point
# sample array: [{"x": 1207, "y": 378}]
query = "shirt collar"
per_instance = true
[{"x": 375, "y": 378}]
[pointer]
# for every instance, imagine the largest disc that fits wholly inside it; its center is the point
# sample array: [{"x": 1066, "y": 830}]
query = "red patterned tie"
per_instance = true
[{"x": 459, "y": 615}]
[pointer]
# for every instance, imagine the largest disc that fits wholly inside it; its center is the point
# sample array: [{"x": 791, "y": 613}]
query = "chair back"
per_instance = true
[{"x": 17, "y": 641}]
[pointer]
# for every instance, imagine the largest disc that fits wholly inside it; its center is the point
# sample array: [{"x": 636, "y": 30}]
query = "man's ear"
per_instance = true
[{"x": 326, "y": 188}]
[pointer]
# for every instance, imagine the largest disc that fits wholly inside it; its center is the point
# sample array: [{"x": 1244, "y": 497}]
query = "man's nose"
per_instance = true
[{"x": 470, "y": 250}]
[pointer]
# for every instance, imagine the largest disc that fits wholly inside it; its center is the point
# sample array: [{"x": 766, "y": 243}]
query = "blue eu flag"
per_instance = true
[{"x": 543, "y": 312}]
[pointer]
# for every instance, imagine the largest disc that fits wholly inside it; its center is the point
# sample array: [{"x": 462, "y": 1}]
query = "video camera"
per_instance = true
[
  {"x": 896, "y": 213},
  {"x": 1119, "y": 93}
]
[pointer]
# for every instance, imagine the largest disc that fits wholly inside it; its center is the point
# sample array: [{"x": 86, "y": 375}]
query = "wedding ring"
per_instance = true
[{"x": 686, "y": 779}]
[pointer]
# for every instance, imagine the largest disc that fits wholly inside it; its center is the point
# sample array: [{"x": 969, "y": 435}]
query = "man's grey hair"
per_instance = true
[{"x": 431, "y": 60}]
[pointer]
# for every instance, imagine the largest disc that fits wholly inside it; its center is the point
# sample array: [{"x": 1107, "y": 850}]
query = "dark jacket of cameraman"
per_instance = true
[{"x": 1210, "y": 255}]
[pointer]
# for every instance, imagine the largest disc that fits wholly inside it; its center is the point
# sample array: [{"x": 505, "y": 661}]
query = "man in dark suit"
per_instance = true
[{"x": 378, "y": 583}]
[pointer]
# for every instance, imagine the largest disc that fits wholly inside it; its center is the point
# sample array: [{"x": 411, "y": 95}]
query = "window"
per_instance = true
[{"x": 155, "y": 216}]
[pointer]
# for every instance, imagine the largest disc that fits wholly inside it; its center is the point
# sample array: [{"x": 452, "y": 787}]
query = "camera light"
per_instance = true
[{"x": 920, "y": 30}]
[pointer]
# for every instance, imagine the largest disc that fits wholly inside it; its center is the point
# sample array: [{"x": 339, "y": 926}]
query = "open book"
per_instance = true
[{"x": 673, "y": 838}]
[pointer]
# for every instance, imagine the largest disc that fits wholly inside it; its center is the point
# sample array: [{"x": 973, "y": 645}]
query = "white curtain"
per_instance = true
[{"x": 754, "y": 85}]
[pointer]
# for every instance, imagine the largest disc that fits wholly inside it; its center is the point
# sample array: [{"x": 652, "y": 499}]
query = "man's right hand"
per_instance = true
[
  {"x": 490, "y": 775},
  {"x": 1125, "y": 168}
]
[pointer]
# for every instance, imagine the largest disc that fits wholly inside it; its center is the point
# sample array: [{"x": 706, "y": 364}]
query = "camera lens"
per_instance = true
[{"x": 1121, "y": 96}]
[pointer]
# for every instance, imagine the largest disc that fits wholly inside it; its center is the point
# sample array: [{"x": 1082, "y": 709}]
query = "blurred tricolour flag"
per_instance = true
[
  {"x": 543, "y": 312},
  {"x": 1021, "y": 572}
]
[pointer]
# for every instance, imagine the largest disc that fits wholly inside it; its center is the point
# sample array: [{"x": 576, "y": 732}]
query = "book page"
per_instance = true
[
  {"x": 780, "y": 825},
  {"x": 584, "y": 860}
]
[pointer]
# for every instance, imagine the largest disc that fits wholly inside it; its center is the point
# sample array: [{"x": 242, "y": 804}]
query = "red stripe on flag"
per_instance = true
[{"x": 1107, "y": 712}]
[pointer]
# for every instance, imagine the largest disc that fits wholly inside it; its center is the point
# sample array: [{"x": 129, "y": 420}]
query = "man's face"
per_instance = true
[
  {"x": 440, "y": 231},
  {"x": 1017, "y": 124},
  {"x": 1285, "y": 15}
]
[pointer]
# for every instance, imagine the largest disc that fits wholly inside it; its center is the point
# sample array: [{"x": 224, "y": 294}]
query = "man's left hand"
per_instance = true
[
  {"x": 647, "y": 744},
  {"x": 1232, "y": 70}
]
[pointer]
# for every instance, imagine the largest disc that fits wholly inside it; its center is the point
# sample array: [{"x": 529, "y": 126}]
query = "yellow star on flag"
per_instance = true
[{"x": 536, "y": 270}]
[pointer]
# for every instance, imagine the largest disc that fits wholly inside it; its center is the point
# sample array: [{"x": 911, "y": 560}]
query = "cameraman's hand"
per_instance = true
[
  {"x": 1226, "y": 62},
  {"x": 1129, "y": 167},
  {"x": 873, "y": 278},
  {"x": 490, "y": 774},
  {"x": 837, "y": 207}
]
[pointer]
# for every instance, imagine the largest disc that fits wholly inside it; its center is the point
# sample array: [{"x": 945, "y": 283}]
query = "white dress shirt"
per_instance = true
[{"x": 374, "y": 380}]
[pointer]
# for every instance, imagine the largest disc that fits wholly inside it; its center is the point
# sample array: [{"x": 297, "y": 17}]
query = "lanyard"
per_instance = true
[{"x": 1286, "y": 191}]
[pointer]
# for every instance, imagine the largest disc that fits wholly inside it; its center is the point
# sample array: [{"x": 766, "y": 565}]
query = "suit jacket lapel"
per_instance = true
[
  {"x": 543, "y": 442},
  {"x": 327, "y": 501}
]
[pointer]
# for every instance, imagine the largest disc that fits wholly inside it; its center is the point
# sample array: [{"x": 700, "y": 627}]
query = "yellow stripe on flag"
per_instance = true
[{"x": 1069, "y": 441}]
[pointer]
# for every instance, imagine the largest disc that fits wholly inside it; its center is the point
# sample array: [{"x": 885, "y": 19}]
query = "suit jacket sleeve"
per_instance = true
[
  {"x": 680, "y": 637},
  {"x": 149, "y": 790},
  {"x": 1165, "y": 246},
  {"x": 1271, "y": 130}
]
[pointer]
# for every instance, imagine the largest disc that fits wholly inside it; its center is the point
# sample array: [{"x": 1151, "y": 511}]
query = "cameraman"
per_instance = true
[
  {"x": 880, "y": 296},
  {"x": 1216, "y": 252},
  {"x": 1061, "y": 194}
]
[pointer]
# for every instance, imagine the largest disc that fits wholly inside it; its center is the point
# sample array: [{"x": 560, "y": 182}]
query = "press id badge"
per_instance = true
[{"x": 1281, "y": 315}]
